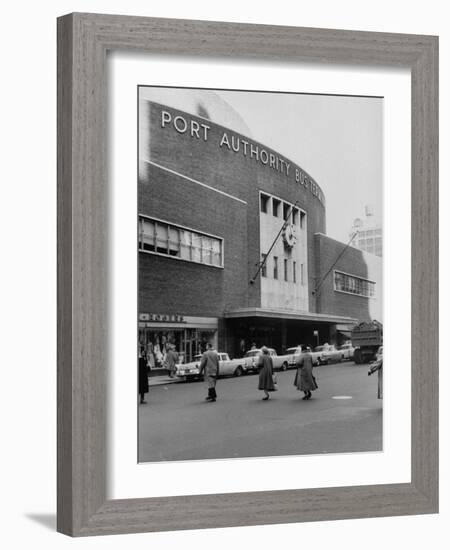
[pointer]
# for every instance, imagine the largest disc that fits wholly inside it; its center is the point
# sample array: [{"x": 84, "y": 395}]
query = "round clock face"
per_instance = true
[{"x": 289, "y": 236}]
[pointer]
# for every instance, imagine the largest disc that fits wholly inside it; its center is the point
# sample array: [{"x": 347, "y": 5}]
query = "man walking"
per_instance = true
[
  {"x": 171, "y": 361},
  {"x": 209, "y": 364}
]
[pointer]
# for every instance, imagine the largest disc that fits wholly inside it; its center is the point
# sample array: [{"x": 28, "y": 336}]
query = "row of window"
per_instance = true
[
  {"x": 377, "y": 250},
  {"x": 370, "y": 241},
  {"x": 289, "y": 271},
  {"x": 353, "y": 285},
  {"x": 177, "y": 242},
  {"x": 278, "y": 209},
  {"x": 369, "y": 233}
]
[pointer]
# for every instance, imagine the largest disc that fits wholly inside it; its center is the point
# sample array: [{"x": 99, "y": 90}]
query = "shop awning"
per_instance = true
[{"x": 290, "y": 314}]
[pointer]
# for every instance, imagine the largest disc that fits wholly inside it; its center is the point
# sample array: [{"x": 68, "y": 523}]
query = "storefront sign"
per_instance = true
[{"x": 159, "y": 318}]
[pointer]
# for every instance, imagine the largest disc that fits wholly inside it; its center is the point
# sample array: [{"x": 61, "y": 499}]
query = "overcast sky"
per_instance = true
[{"x": 336, "y": 139}]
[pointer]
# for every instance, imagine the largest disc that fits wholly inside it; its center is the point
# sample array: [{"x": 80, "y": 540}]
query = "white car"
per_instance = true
[
  {"x": 294, "y": 354},
  {"x": 251, "y": 360},
  {"x": 227, "y": 367},
  {"x": 328, "y": 354},
  {"x": 190, "y": 371},
  {"x": 347, "y": 350}
]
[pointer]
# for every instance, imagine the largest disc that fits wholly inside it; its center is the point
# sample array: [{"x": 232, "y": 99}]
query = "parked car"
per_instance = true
[
  {"x": 347, "y": 350},
  {"x": 328, "y": 354},
  {"x": 251, "y": 360},
  {"x": 227, "y": 367},
  {"x": 294, "y": 353},
  {"x": 230, "y": 367},
  {"x": 190, "y": 371}
]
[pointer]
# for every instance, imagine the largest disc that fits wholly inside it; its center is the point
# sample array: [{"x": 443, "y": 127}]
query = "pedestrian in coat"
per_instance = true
[
  {"x": 377, "y": 366},
  {"x": 265, "y": 382},
  {"x": 209, "y": 365},
  {"x": 304, "y": 378},
  {"x": 143, "y": 376},
  {"x": 171, "y": 360}
]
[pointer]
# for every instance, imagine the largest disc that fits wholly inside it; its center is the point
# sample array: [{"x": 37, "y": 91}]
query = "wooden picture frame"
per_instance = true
[{"x": 83, "y": 41}]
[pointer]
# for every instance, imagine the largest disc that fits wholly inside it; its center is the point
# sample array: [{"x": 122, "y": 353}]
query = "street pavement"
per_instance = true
[{"x": 344, "y": 415}]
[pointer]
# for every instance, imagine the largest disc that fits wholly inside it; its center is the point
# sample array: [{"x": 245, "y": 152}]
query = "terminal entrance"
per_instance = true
[{"x": 242, "y": 333}]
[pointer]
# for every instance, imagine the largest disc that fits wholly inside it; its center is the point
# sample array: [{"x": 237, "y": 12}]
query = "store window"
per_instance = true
[
  {"x": 178, "y": 242},
  {"x": 275, "y": 267},
  {"x": 187, "y": 342}
]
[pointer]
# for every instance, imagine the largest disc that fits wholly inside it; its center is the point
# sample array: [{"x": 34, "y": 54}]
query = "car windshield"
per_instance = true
[
  {"x": 294, "y": 350},
  {"x": 319, "y": 348}
]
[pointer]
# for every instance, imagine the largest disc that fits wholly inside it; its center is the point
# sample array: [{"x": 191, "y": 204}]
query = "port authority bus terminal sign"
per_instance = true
[{"x": 247, "y": 148}]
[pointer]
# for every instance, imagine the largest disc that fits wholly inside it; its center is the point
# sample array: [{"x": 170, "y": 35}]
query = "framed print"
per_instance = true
[{"x": 229, "y": 205}]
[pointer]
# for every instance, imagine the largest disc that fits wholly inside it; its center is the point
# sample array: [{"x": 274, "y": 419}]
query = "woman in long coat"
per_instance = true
[
  {"x": 266, "y": 373},
  {"x": 143, "y": 376},
  {"x": 304, "y": 379}
]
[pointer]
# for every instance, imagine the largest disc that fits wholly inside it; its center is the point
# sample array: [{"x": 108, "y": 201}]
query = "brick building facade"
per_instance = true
[{"x": 211, "y": 203}]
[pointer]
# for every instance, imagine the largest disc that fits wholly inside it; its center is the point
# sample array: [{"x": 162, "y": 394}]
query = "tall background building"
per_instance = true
[{"x": 369, "y": 236}]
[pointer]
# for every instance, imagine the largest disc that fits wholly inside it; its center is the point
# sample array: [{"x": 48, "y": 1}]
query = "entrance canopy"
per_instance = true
[
  {"x": 290, "y": 315},
  {"x": 279, "y": 329}
]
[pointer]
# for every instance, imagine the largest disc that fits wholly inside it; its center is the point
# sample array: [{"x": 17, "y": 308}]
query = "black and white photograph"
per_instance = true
[
  {"x": 235, "y": 219},
  {"x": 260, "y": 274}
]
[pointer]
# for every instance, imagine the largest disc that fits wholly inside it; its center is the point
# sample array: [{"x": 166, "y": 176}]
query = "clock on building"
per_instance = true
[{"x": 289, "y": 236}]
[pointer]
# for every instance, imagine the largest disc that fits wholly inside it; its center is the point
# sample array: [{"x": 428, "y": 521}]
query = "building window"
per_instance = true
[
  {"x": 178, "y": 242},
  {"x": 276, "y": 207},
  {"x": 275, "y": 267},
  {"x": 294, "y": 271},
  {"x": 264, "y": 203},
  {"x": 353, "y": 285},
  {"x": 285, "y": 269},
  {"x": 263, "y": 265},
  {"x": 302, "y": 219},
  {"x": 302, "y": 274},
  {"x": 294, "y": 216},
  {"x": 286, "y": 209}
]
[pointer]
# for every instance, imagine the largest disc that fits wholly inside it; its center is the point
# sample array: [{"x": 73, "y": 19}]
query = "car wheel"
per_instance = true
[
  {"x": 239, "y": 371},
  {"x": 284, "y": 366}
]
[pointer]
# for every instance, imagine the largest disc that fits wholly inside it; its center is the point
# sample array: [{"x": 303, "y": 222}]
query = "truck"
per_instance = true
[{"x": 367, "y": 337}]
